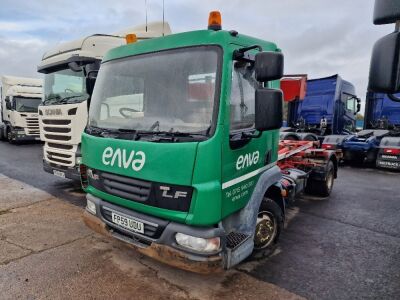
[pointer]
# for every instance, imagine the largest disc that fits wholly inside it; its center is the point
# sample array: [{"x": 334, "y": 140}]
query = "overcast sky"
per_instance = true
[{"x": 318, "y": 37}]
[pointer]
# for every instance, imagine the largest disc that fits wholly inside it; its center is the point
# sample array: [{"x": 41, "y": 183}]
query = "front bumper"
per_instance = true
[
  {"x": 22, "y": 137},
  {"x": 69, "y": 172},
  {"x": 161, "y": 245}
]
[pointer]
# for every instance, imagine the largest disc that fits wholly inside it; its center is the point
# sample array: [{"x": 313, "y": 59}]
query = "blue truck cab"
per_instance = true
[
  {"x": 379, "y": 141},
  {"x": 329, "y": 107}
]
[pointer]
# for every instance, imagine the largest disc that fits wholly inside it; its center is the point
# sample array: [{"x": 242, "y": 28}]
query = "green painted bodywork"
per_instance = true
[{"x": 206, "y": 165}]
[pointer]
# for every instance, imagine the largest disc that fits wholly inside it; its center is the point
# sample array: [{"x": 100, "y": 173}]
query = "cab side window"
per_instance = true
[
  {"x": 242, "y": 100},
  {"x": 349, "y": 102}
]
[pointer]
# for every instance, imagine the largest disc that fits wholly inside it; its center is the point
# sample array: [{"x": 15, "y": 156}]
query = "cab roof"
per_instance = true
[{"x": 188, "y": 39}]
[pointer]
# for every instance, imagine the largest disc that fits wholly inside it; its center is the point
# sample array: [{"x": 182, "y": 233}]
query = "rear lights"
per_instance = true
[
  {"x": 84, "y": 177},
  {"x": 329, "y": 146},
  {"x": 391, "y": 151}
]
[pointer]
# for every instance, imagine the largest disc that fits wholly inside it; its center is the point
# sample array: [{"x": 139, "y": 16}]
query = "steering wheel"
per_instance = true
[
  {"x": 123, "y": 111},
  {"x": 69, "y": 90}
]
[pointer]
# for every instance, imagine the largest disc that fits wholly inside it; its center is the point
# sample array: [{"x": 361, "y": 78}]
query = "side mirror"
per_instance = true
[
  {"x": 384, "y": 72},
  {"x": 268, "y": 109},
  {"x": 90, "y": 81},
  {"x": 268, "y": 66},
  {"x": 8, "y": 103},
  {"x": 358, "y": 105},
  {"x": 386, "y": 12}
]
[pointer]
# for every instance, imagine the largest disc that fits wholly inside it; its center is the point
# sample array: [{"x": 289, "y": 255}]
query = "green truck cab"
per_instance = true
[{"x": 180, "y": 150}]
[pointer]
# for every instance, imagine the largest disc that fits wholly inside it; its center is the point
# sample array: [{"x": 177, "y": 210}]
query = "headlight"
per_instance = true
[
  {"x": 78, "y": 160},
  {"x": 91, "y": 207},
  {"x": 198, "y": 244}
]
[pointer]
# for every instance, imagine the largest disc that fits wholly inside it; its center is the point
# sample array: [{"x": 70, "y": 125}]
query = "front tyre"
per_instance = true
[
  {"x": 269, "y": 225},
  {"x": 10, "y": 135}
]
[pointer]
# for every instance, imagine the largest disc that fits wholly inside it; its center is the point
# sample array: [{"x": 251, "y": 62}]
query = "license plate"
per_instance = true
[
  {"x": 389, "y": 164},
  {"x": 59, "y": 173},
  {"x": 127, "y": 223}
]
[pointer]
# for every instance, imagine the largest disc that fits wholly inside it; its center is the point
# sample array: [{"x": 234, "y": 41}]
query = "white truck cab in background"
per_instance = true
[
  {"x": 69, "y": 74},
  {"x": 20, "y": 98}
]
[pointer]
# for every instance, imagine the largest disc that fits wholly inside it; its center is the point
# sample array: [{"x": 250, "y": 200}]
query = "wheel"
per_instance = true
[
  {"x": 9, "y": 135},
  {"x": 322, "y": 188},
  {"x": 269, "y": 225}
]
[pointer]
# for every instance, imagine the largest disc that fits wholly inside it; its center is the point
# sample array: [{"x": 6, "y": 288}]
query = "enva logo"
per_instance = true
[
  {"x": 247, "y": 160},
  {"x": 123, "y": 158}
]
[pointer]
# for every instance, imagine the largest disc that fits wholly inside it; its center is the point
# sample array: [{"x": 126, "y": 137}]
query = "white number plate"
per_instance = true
[
  {"x": 127, "y": 223},
  {"x": 59, "y": 173}
]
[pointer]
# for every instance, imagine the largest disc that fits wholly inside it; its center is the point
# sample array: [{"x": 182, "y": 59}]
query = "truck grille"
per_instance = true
[
  {"x": 125, "y": 187},
  {"x": 32, "y": 125},
  {"x": 150, "y": 230},
  {"x": 59, "y": 158},
  {"x": 60, "y": 146},
  {"x": 56, "y": 130},
  {"x": 57, "y": 122},
  {"x": 57, "y": 137},
  {"x": 138, "y": 190}
]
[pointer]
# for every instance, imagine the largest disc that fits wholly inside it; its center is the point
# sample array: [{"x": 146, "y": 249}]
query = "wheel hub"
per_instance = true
[{"x": 265, "y": 230}]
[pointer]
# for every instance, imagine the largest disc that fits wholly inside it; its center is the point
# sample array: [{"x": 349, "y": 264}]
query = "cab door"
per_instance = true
[
  {"x": 349, "y": 103},
  {"x": 245, "y": 153}
]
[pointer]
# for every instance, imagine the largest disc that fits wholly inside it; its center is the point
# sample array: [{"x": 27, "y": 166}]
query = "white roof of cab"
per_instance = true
[
  {"x": 21, "y": 81},
  {"x": 96, "y": 45}
]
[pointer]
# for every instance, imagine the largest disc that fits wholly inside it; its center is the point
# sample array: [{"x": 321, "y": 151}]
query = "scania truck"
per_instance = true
[
  {"x": 20, "y": 98},
  {"x": 329, "y": 107},
  {"x": 181, "y": 154},
  {"x": 69, "y": 75}
]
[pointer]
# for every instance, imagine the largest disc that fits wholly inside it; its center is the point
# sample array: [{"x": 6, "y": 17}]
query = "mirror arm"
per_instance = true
[
  {"x": 252, "y": 135},
  {"x": 238, "y": 54},
  {"x": 393, "y": 97}
]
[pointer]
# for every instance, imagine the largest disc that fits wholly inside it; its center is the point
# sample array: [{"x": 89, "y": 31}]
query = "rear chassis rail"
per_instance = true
[
  {"x": 304, "y": 155},
  {"x": 302, "y": 162}
]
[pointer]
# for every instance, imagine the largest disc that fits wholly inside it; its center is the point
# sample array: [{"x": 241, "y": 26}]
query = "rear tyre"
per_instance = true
[
  {"x": 269, "y": 225},
  {"x": 322, "y": 188}
]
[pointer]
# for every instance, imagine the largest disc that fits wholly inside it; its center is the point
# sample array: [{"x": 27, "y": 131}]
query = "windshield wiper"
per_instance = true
[
  {"x": 65, "y": 100},
  {"x": 50, "y": 100}
]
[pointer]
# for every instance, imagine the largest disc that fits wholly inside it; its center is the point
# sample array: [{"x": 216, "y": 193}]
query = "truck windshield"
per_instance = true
[
  {"x": 23, "y": 104},
  {"x": 168, "y": 91},
  {"x": 64, "y": 87}
]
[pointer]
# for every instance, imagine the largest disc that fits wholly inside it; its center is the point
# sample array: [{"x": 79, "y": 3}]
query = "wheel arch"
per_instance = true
[
  {"x": 274, "y": 192},
  {"x": 245, "y": 219}
]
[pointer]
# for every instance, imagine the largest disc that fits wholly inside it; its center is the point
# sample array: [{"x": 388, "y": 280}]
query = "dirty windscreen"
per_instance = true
[{"x": 170, "y": 91}]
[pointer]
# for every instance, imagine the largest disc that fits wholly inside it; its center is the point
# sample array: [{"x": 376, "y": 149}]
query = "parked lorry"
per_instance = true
[
  {"x": 20, "y": 98},
  {"x": 379, "y": 142},
  {"x": 69, "y": 71},
  {"x": 330, "y": 107},
  {"x": 181, "y": 154}
]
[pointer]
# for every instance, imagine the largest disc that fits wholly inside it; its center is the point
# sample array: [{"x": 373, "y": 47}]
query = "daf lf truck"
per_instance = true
[
  {"x": 20, "y": 98},
  {"x": 181, "y": 154},
  {"x": 69, "y": 75}
]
